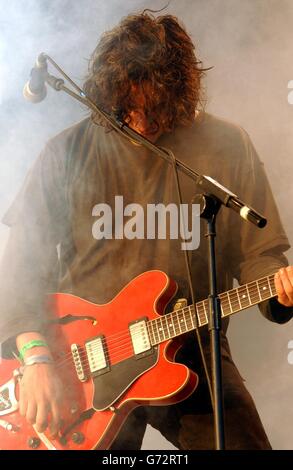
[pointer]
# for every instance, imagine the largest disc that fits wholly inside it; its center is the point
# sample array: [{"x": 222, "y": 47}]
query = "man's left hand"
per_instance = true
[{"x": 284, "y": 286}]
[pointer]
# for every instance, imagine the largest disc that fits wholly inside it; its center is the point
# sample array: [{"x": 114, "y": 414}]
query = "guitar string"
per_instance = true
[
  {"x": 202, "y": 304},
  {"x": 163, "y": 319},
  {"x": 126, "y": 347},
  {"x": 128, "y": 343},
  {"x": 124, "y": 353},
  {"x": 128, "y": 350}
]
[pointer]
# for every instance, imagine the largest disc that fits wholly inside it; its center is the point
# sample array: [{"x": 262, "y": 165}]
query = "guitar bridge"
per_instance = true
[{"x": 78, "y": 362}]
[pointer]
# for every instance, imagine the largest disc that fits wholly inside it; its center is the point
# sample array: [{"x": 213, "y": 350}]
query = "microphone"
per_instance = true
[
  {"x": 35, "y": 89},
  {"x": 230, "y": 199}
]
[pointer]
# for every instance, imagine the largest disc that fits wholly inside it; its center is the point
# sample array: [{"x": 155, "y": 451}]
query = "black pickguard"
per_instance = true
[
  {"x": 111, "y": 383},
  {"x": 108, "y": 387}
]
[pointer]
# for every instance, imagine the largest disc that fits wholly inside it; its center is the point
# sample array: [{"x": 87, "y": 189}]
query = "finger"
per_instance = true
[
  {"x": 289, "y": 271},
  {"x": 42, "y": 416},
  {"x": 22, "y": 403},
  {"x": 286, "y": 292},
  {"x": 282, "y": 296},
  {"x": 279, "y": 285},
  {"x": 55, "y": 419},
  {"x": 31, "y": 412},
  {"x": 280, "y": 289}
]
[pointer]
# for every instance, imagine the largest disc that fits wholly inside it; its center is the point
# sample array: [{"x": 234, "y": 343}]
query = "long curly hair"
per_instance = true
[{"x": 143, "y": 50}]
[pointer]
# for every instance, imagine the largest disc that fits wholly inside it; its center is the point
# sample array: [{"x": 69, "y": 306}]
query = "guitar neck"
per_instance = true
[{"x": 181, "y": 321}]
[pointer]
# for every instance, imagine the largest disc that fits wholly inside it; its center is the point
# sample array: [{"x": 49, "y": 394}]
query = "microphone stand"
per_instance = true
[{"x": 214, "y": 195}]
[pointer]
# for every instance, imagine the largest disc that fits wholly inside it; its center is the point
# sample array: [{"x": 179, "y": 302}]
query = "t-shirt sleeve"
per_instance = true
[
  {"x": 259, "y": 252},
  {"x": 29, "y": 266}
]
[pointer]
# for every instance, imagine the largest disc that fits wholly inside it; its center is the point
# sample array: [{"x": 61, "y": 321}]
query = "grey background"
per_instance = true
[{"x": 249, "y": 43}]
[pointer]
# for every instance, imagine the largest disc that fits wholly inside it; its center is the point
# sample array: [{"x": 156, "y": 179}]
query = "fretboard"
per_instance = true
[{"x": 183, "y": 320}]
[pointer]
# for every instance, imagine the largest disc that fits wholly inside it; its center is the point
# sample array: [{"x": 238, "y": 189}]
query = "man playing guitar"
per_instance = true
[{"x": 146, "y": 72}]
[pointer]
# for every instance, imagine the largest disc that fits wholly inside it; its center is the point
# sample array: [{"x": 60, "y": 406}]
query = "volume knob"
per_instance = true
[
  {"x": 34, "y": 442},
  {"x": 77, "y": 437}
]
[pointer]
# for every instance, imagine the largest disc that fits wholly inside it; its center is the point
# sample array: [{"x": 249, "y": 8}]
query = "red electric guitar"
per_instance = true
[{"x": 113, "y": 358}]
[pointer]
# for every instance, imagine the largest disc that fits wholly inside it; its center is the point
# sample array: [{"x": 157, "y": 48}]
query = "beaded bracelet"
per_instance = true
[{"x": 31, "y": 344}]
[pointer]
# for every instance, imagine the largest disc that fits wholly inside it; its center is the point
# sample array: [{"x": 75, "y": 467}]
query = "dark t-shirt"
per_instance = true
[{"x": 52, "y": 246}]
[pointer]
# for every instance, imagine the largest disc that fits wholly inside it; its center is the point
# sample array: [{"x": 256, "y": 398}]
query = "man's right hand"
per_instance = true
[
  {"x": 40, "y": 391},
  {"x": 40, "y": 398}
]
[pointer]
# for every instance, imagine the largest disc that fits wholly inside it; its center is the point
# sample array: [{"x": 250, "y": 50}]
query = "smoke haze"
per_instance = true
[{"x": 249, "y": 44}]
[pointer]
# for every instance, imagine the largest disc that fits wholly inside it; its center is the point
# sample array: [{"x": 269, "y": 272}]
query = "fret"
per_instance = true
[
  {"x": 184, "y": 318},
  {"x": 248, "y": 294},
  {"x": 156, "y": 328},
  {"x": 196, "y": 313},
  {"x": 166, "y": 329},
  {"x": 205, "y": 311},
  {"x": 264, "y": 289},
  {"x": 234, "y": 302},
  {"x": 195, "y": 316},
  {"x": 152, "y": 323},
  {"x": 176, "y": 323},
  {"x": 225, "y": 305},
  {"x": 151, "y": 335},
  {"x": 163, "y": 322},
  {"x": 161, "y": 329},
  {"x": 200, "y": 310},
  {"x": 205, "y": 320},
  {"x": 170, "y": 325},
  {"x": 238, "y": 298},
  {"x": 151, "y": 329},
  {"x": 229, "y": 300},
  {"x": 156, "y": 332},
  {"x": 198, "y": 320},
  {"x": 193, "y": 324},
  {"x": 237, "y": 305},
  {"x": 253, "y": 294},
  {"x": 258, "y": 290},
  {"x": 187, "y": 316},
  {"x": 272, "y": 285},
  {"x": 166, "y": 324},
  {"x": 244, "y": 296},
  {"x": 180, "y": 320}
]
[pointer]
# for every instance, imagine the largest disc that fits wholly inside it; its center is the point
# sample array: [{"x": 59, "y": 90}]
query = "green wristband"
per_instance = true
[{"x": 31, "y": 344}]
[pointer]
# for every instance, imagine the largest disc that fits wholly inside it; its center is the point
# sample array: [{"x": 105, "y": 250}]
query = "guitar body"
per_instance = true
[{"x": 106, "y": 365}]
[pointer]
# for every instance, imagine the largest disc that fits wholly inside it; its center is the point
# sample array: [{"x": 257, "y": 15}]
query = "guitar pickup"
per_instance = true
[
  {"x": 97, "y": 355},
  {"x": 139, "y": 336}
]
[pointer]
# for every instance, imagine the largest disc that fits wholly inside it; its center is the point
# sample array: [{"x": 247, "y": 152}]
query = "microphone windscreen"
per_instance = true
[{"x": 34, "y": 97}]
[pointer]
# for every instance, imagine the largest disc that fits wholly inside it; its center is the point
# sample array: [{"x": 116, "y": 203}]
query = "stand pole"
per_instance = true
[{"x": 210, "y": 206}]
